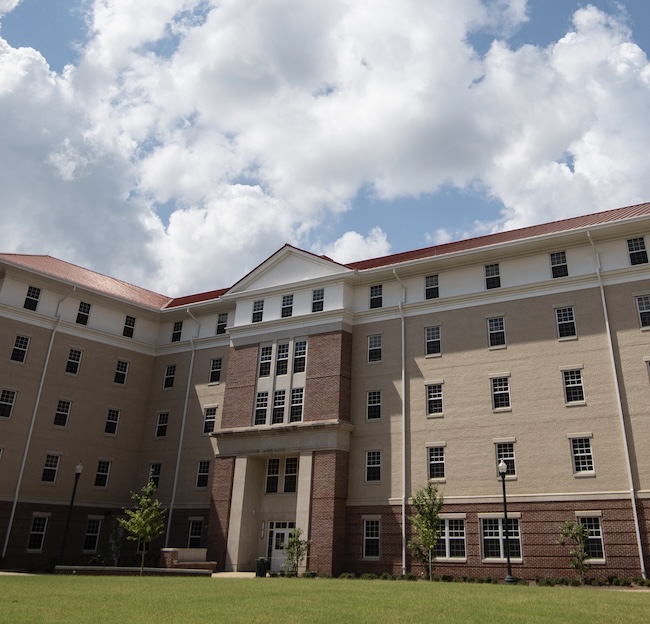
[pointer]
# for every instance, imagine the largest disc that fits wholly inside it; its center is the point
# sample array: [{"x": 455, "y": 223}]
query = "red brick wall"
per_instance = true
[
  {"x": 239, "y": 397},
  {"x": 224, "y": 470}
]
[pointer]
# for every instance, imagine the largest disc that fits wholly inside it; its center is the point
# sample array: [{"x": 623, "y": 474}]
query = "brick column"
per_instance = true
[{"x": 224, "y": 470}]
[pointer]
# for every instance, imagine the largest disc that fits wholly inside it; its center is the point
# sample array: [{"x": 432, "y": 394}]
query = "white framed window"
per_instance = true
[
  {"x": 209, "y": 419},
  {"x": 373, "y": 466},
  {"x": 37, "y": 532},
  {"x": 299, "y": 356},
  {"x": 50, "y": 468},
  {"x": 258, "y": 311},
  {"x": 290, "y": 475},
  {"x": 282, "y": 359},
  {"x": 103, "y": 472},
  {"x": 451, "y": 540},
  {"x": 493, "y": 538},
  {"x": 261, "y": 407},
  {"x": 492, "y": 276},
  {"x": 432, "y": 340},
  {"x": 170, "y": 374},
  {"x": 19, "y": 352},
  {"x": 297, "y": 404},
  {"x": 436, "y": 462},
  {"x": 83, "y": 314},
  {"x": 376, "y": 296},
  {"x": 374, "y": 348},
  {"x": 287, "y": 306},
  {"x": 573, "y": 388},
  {"x": 594, "y": 547},
  {"x": 7, "y": 400},
  {"x": 202, "y": 473},
  {"x": 637, "y": 251},
  {"x": 32, "y": 297},
  {"x": 496, "y": 331},
  {"x": 431, "y": 290},
  {"x": 643, "y": 306},
  {"x": 129, "y": 326},
  {"x": 566, "y": 322},
  {"x": 371, "y": 538},
  {"x": 277, "y": 413},
  {"x": 195, "y": 532},
  {"x": 112, "y": 420},
  {"x": 177, "y": 331},
  {"x": 506, "y": 451},
  {"x": 62, "y": 413},
  {"x": 161, "y": 424},
  {"x": 93, "y": 530},
  {"x": 373, "y": 404},
  {"x": 222, "y": 323},
  {"x": 121, "y": 371},
  {"x": 582, "y": 456},
  {"x": 317, "y": 299},
  {"x": 500, "y": 392},
  {"x": 559, "y": 266},
  {"x": 74, "y": 362},
  {"x": 434, "y": 399},
  {"x": 272, "y": 475},
  {"x": 215, "y": 370},
  {"x": 154, "y": 473},
  {"x": 266, "y": 356}
]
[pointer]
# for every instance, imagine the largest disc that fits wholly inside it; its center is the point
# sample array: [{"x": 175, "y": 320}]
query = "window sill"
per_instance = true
[
  {"x": 646, "y": 328},
  {"x": 567, "y": 338},
  {"x": 596, "y": 561},
  {"x": 214, "y": 383},
  {"x": 502, "y": 560},
  {"x": 372, "y": 482},
  {"x": 585, "y": 475},
  {"x": 432, "y": 355},
  {"x": 575, "y": 404},
  {"x": 374, "y": 362},
  {"x": 500, "y": 410},
  {"x": 452, "y": 559},
  {"x": 440, "y": 415},
  {"x": 438, "y": 480},
  {"x": 497, "y": 347}
]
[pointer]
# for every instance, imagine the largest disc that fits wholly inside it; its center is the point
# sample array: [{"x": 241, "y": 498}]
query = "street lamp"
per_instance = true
[
  {"x": 77, "y": 473},
  {"x": 503, "y": 468}
]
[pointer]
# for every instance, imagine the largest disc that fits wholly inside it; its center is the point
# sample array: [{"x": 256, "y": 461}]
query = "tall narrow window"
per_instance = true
[
  {"x": 573, "y": 389},
  {"x": 170, "y": 374},
  {"x": 202, "y": 474},
  {"x": 261, "y": 406},
  {"x": 266, "y": 353},
  {"x": 194, "y": 534},
  {"x": 258, "y": 311},
  {"x": 74, "y": 362},
  {"x": 506, "y": 451},
  {"x": 566, "y": 322},
  {"x": 317, "y": 299},
  {"x": 7, "y": 399},
  {"x": 222, "y": 323},
  {"x": 121, "y": 371},
  {"x": 374, "y": 348},
  {"x": 492, "y": 276},
  {"x": 154, "y": 473},
  {"x": 431, "y": 287},
  {"x": 282, "y": 359},
  {"x": 496, "y": 331},
  {"x": 62, "y": 413},
  {"x": 637, "y": 250},
  {"x": 451, "y": 541},
  {"x": 494, "y": 538},
  {"x": 278, "y": 407},
  {"x": 371, "y": 534},
  {"x": 19, "y": 352},
  {"x": 583, "y": 459},
  {"x": 209, "y": 419},
  {"x": 297, "y": 400},
  {"x": 83, "y": 313},
  {"x": 432, "y": 340},
  {"x": 643, "y": 306},
  {"x": 161, "y": 425},
  {"x": 559, "y": 266},
  {"x": 37, "y": 533},
  {"x": 594, "y": 546},
  {"x": 287, "y": 306},
  {"x": 31, "y": 300},
  {"x": 299, "y": 356},
  {"x": 434, "y": 399},
  {"x": 215, "y": 370},
  {"x": 91, "y": 540},
  {"x": 436, "y": 462},
  {"x": 373, "y": 466},
  {"x": 177, "y": 331},
  {"x": 376, "y": 296},
  {"x": 129, "y": 326},
  {"x": 373, "y": 408},
  {"x": 103, "y": 471},
  {"x": 290, "y": 474},
  {"x": 112, "y": 420},
  {"x": 500, "y": 392},
  {"x": 50, "y": 468},
  {"x": 272, "y": 475}
]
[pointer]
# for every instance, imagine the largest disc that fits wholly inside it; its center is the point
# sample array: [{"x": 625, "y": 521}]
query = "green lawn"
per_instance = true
[{"x": 155, "y": 600}]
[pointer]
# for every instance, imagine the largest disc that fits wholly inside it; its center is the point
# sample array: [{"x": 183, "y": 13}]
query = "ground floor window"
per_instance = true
[
  {"x": 37, "y": 533},
  {"x": 371, "y": 533},
  {"x": 451, "y": 541},
  {"x": 594, "y": 546},
  {"x": 493, "y": 537},
  {"x": 194, "y": 533},
  {"x": 93, "y": 529}
]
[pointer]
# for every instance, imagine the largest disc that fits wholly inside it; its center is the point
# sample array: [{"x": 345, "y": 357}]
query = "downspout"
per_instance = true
[
  {"x": 23, "y": 462},
  {"x": 182, "y": 434},
  {"x": 404, "y": 496},
  {"x": 620, "y": 408}
]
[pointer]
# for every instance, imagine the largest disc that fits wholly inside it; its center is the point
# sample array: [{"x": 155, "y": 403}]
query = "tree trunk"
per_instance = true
[{"x": 144, "y": 549}]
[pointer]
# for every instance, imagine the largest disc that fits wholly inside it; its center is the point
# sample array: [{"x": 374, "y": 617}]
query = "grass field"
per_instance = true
[{"x": 155, "y": 600}]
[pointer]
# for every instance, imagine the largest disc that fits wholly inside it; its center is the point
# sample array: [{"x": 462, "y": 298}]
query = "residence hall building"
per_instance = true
[{"x": 318, "y": 395}]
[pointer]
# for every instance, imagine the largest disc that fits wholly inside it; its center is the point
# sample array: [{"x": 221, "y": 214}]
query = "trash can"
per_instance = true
[{"x": 260, "y": 566}]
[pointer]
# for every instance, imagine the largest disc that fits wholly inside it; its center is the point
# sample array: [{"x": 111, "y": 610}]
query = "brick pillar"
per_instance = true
[{"x": 224, "y": 470}]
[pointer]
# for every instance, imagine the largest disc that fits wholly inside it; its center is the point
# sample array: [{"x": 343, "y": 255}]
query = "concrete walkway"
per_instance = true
[{"x": 233, "y": 575}]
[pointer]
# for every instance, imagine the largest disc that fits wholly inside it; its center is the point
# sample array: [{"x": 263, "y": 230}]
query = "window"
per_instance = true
[
  {"x": 209, "y": 419},
  {"x": 154, "y": 473},
  {"x": 594, "y": 546},
  {"x": 103, "y": 470},
  {"x": 287, "y": 306},
  {"x": 374, "y": 348},
  {"x": 272, "y": 475},
  {"x": 373, "y": 405},
  {"x": 451, "y": 540},
  {"x": 161, "y": 425},
  {"x": 266, "y": 353},
  {"x": 7, "y": 399},
  {"x": 170, "y": 373},
  {"x": 50, "y": 468},
  {"x": 492, "y": 276},
  {"x": 62, "y": 413},
  {"x": 436, "y": 462},
  {"x": 583, "y": 459},
  {"x": 129, "y": 326},
  {"x": 431, "y": 287},
  {"x": 261, "y": 405},
  {"x": 637, "y": 251},
  {"x": 432, "y": 340},
  {"x": 215, "y": 370},
  {"x": 297, "y": 400},
  {"x": 112, "y": 420},
  {"x": 573, "y": 390},
  {"x": 121, "y": 370},
  {"x": 317, "y": 299},
  {"x": 93, "y": 529},
  {"x": 566, "y": 322},
  {"x": 222, "y": 323},
  {"x": 373, "y": 466},
  {"x": 434, "y": 399},
  {"x": 494, "y": 538},
  {"x": 19, "y": 352},
  {"x": 376, "y": 296},
  {"x": 194, "y": 533},
  {"x": 74, "y": 361},
  {"x": 500, "y": 392},
  {"x": 37, "y": 533},
  {"x": 559, "y": 267},
  {"x": 371, "y": 531},
  {"x": 506, "y": 451},
  {"x": 258, "y": 311},
  {"x": 177, "y": 331},
  {"x": 31, "y": 300},
  {"x": 202, "y": 473},
  {"x": 290, "y": 474},
  {"x": 496, "y": 331},
  {"x": 282, "y": 359},
  {"x": 278, "y": 407},
  {"x": 83, "y": 313},
  {"x": 299, "y": 356},
  {"x": 643, "y": 305}
]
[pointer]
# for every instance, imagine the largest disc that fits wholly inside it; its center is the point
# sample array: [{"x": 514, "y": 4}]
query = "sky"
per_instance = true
[{"x": 176, "y": 144}]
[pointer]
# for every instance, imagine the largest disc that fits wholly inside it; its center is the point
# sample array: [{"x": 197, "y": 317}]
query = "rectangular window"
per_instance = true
[
  {"x": 299, "y": 356},
  {"x": 573, "y": 390},
  {"x": 434, "y": 399},
  {"x": 566, "y": 322},
  {"x": 112, "y": 420},
  {"x": 492, "y": 276},
  {"x": 290, "y": 474},
  {"x": 494, "y": 538},
  {"x": 19, "y": 352},
  {"x": 121, "y": 371},
  {"x": 258, "y": 311},
  {"x": 209, "y": 419},
  {"x": 129, "y": 326},
  {"x": 177, "y": 331},
  {"x": 103, "y": 470},
  {"x": 91, "y": 539},
  {"x": 7, "y": 400},
  {"x": 432, "y": 340},
  {"x": 506, "y": 451},
  {"x": 431, "y": 287},
  {"x": 496, "y": 331},
  {"x": 317, "y": 299},
  {"x": 373, "y": 466},
  {"x": 266, "y": 353},
  {"x": 500, "y": 392},
  {"x": 278, "y": 407},
  {"x": 202, "y": 474},
  {"x": 376, "y": 296},
  {"x": 222, "y": 323},
  {"x": 436, "y": 462},
  {"x": 287, "y": 306},
  {"x": 215, "y": 370},
  {"x": 50, "y": 468},
  {"x": 261, "y": 405},
  {"x": 559, "y": 266},
  {"x": 194, "y": 534},
  {"x": 637, "y": 251},
  {"x": 594, "y": 546},
  {"x": 37, "y": 533},
  {"x": 282, "y": 359},
  {"x": 161, "y": 425},
  {"x": 297, "y": 401},
  {"x": 583, "y": 459},
  {"x": 451, "y": 540},
  {"x": 272, "y": 475},
  {"x": 374, "y": 348},
  {"x": 371, "y": 532},
  {"x": 62, "y": 413},
  {"x": 74, "y": 362},
  {"x": 373, "y": 407},
  {"x": 643, "y": 306},
  {"x": 170, "y": 373},
  {"x": 154, "y": 473},
  {"x": 83, "y": 313},
  {"x": 31, "y": 300}
]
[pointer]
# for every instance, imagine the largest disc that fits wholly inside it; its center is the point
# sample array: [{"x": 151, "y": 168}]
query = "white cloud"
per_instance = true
[
  {"x": 8, "y": 5},
  {"x": 353, "y": 246}
]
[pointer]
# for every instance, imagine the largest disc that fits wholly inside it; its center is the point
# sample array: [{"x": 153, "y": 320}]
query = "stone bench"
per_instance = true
[{"x": 186, "y": 558}]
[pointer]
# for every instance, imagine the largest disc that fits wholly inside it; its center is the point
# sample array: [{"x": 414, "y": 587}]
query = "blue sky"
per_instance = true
[{"x": 186, "y": 140}]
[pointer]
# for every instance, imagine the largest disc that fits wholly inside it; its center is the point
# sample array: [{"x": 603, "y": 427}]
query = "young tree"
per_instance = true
[
  {"x": 426, "y": 524},
  {"x": 577, "y": 534},
  {"x": 147, "y": 521},
  {"x": 296, "y": 551}
]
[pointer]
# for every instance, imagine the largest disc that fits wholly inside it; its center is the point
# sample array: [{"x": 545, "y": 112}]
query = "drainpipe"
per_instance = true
[
  {"x": 404, "y": 496},
  {"x": 619, "y": 405},
  {"x": 182, "y": 435}
]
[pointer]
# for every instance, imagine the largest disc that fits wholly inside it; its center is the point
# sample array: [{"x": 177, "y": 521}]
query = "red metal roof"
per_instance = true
[{"x": 199, "y": 297}]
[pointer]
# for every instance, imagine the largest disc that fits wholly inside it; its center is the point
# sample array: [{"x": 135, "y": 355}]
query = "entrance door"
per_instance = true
[{"x": 278, "y": 556}]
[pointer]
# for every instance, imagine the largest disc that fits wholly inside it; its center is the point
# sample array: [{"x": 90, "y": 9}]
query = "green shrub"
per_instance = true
[
  {"x": 368, "y": 576},
  {"x": 309, "y": 574},
  {"x": 347, "y": 575},
  {"x": 386, "y": 576}
]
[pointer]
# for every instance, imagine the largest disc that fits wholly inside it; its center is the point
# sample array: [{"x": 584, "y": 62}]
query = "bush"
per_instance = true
[
  {"x": 407, "y": 577},
  {"x": 368, "y": 576},
  {"x": 309, "y": 574},
  {"x": 347, "y": 575},
  {"x": 386, "y": 576}
]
